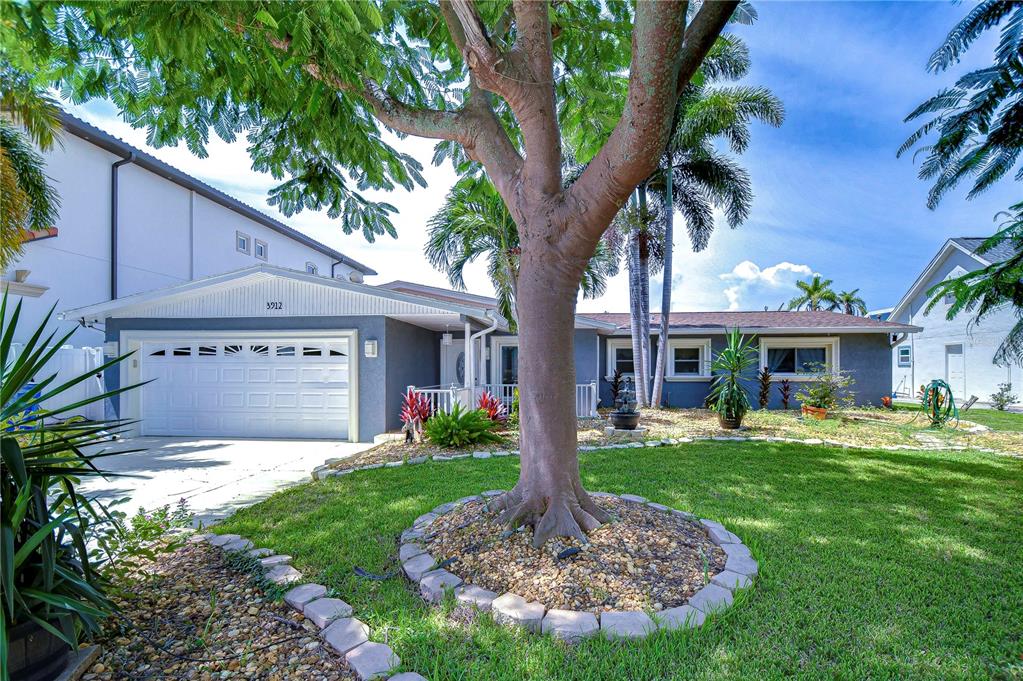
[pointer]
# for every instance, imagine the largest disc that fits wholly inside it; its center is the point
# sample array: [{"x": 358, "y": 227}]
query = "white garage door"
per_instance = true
[{"x": 267, "y": 387}]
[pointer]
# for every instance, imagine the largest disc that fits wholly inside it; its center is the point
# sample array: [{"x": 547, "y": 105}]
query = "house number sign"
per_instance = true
[{"x": 274, "y": 305}]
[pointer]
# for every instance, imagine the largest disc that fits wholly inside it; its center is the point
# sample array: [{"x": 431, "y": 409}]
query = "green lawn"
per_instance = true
[
  {"x": 873, "y": 564},
  {"x": 992, "y": 418}
]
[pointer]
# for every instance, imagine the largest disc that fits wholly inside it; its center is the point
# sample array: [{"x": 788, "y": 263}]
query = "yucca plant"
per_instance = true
[
  {"x": 728, "y": 395},
  {"x": 49, "y": 578}
]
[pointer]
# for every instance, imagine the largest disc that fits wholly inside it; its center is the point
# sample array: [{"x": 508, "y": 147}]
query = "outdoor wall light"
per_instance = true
[
  {"x": 446, "y": 339},
  {"x": 370, "y": 348}
]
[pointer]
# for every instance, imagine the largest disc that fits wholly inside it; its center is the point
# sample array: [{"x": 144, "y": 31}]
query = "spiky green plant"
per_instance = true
[
  {"x": 48, "y": 574},
  {"x": 731, "y": 366}
]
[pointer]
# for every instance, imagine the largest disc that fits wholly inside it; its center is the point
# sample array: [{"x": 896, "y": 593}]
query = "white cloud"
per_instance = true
[{"x": 751, "y": 286}]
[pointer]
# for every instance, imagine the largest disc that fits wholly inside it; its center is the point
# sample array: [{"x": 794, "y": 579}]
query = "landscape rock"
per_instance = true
[
  {"x": 372, "y": 660},
  {"x": 306, "y": 593},
  {"x": 260, "y": 553},
  {"x": 636, "y": 499},
  {"x": 436, "y": 583},
  {"x": 711, "y": 598},
  {"x": 345, "y": 634},
  {"x": 222, "y": 539},
  {"x": 742, "y": 564},
  {"x": 515, "y": 610},
  {"x": 570, "y": 625},
  {"x": 471, "y": 594},
  {"x": 323, "y": 611},
  {"x": 283, "y": 574},
  {"x": 417, "y": 566},
  {"x": 682, "y": 616},
  {"x": 410, "y": 550},
  {"x": 629, "y": 624},
  {"x": 731, "y": 580},
  {"x": 270, "y": 561}
]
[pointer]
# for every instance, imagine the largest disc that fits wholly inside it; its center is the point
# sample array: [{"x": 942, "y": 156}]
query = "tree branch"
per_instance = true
[
  {"x": 664, "y": 57},
  {"x": 535, "y": 106}
]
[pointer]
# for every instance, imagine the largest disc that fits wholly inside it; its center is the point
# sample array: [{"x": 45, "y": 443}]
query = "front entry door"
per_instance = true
[
  {"x": 955, "y": 369},
  {"x": 452, "y": 365}
]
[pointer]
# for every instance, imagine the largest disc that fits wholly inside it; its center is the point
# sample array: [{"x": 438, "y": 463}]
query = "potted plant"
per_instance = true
[
  {"x": 51, "y": 586},
  {"x": 625, "y": 416},
  {"x": 728, "y": 392},
  {"x": 826, "y": 390}
]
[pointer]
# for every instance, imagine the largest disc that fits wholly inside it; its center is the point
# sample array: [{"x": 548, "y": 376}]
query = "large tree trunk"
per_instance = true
[
  {"x": 549, "y": 495},
  {"x": 662, "y": 339}
]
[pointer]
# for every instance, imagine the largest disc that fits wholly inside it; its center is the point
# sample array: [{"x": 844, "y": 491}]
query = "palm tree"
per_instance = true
[
  {"x": 27, "y": 116},
  {"x": 815, "y": 295},
  {"x": 474, "y": 223},
  {"x": 977, "y": 121},
  {"x": 851, "y": 303}
]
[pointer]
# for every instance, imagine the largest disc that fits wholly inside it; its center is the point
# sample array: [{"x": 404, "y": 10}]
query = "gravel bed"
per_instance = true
[
  {"x": 217, "y": 623},
  {"x": 645, "y": 559}
]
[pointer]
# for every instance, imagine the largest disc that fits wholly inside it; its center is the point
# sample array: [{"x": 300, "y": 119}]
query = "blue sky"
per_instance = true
[{"x": 831, "y": 197}]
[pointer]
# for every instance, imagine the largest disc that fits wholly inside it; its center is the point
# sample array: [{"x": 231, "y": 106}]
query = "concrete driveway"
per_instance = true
[{"x": 214, "y": 476}]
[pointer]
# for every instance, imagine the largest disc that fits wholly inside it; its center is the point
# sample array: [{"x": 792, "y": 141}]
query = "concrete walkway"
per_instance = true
[{"x": 214, "y": 476}]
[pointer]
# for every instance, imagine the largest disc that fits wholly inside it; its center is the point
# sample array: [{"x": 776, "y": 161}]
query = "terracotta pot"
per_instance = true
[
  {"x": 818, "y": 413},
  {"x": 624, "y": 421},
  {"x": 729, "y": 422},
  {"x": 36, "y": 654}
]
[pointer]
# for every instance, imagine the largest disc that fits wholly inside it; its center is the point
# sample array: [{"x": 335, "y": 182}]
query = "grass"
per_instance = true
[
  {"x": 873, "y": 564},
  {"x": 992, "y": 418}
]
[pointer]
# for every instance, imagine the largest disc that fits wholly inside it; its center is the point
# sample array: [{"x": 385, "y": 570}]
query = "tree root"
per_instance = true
[{"x": 566, "y": 515}]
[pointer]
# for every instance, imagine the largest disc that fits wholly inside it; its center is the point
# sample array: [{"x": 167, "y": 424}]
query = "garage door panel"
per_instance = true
[{"x": 240, "y": 388}]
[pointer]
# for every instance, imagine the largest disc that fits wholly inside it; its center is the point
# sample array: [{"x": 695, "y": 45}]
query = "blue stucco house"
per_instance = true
[{"x": 267, "y": 351}]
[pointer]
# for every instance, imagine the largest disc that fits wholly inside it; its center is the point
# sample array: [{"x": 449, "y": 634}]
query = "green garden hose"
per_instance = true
[{"x": 937, "y": 403}]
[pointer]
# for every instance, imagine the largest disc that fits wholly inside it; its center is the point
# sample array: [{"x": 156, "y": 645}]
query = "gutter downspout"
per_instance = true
[
  {"x": 113, "y": 221},
  {"x": 472, "y": 340}
]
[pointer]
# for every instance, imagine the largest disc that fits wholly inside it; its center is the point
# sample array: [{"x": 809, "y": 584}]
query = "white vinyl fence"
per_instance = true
[
  {"x": 443, "y": 398},
  {"x": 69, "y": 362}
]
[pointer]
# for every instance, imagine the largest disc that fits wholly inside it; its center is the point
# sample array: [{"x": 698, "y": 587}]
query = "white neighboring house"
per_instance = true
[
  {"x": 957, "y": 351},
  {"x": 130, "y": 223}
]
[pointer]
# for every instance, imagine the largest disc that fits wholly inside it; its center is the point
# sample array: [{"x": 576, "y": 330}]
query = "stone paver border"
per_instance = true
[
  {"x": 345, "y": 634},
  {"x": 327, "y": 471},
  {"x": 511, "y": 609}
]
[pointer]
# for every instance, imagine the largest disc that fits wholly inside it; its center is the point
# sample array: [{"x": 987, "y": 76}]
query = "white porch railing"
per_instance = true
[{"x": 444, "y": 398}]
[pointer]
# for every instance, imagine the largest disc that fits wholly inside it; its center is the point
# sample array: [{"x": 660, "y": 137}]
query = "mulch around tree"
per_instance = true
[
  {"x": 216, "y": 622},
  {"x": 644, "y": 559}
]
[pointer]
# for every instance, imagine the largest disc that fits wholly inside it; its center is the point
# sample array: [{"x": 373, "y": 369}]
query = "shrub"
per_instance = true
[
  {"x": 49, "y": 575},
  {"x": 828, "y": 389},
  {"x": 460, "y": 428},
  {"x": 1004, "y": 397},
  {"x": 764, "y": 377},
  {"x": 493, "y": 408},
  {"x": 415, "y": 411},
  {"x": 616, "y": 386},
  {"x": 785, "y": 388},
  {"x": 728, "y": 392}
]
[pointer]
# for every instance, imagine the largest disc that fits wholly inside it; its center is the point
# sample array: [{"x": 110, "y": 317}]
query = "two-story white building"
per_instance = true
[
  {"x": 131, "y": 223},
  {"x": 956, "y": 350}
]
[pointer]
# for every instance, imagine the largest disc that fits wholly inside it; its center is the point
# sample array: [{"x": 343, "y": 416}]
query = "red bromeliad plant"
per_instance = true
[
  {"x": 415, "y": 411},
  {"x": 494, "y": 408}
]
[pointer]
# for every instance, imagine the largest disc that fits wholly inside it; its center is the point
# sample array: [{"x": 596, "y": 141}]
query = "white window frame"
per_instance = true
[
  {"x": 238, "y": 236},
  {"x": 908, "y": 360},
  {"x": 255, "y": 249},
  {"x": 311, "y": 268},
  {"x": 612, "y": 345},
  {"x": 496, "y": 343},
  {"x": 703, "y": 344},
  {"x": 831, "y": 355}
]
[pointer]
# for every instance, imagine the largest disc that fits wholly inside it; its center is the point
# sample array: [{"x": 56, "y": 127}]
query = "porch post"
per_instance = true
[{"x": 468, "y": 377}]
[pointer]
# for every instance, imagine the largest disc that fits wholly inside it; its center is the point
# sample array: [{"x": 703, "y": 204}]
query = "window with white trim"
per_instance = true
[
  {"x": 260, "y": 249},
  {"x": 619, "y": 356},
  {"x": 311, "y": 268},
  {"x": 688, "y": 358},
  {"x": 905, "y": 356},
  {"x": 243, "y": 243},
  {"x": 797, "y": 358}
]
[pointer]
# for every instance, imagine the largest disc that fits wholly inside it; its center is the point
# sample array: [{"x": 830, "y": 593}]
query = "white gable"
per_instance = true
[{"x": 267, "y": 291}]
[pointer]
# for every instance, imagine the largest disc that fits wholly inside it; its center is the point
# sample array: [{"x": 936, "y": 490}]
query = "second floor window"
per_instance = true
[
  {"x": 242, "y": 243},
  {"x": 311, "y": 268},
  {"x": 261, "y": 249}
]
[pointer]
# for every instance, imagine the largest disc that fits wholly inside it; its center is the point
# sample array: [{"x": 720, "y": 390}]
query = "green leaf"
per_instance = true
[{"x": 266, "y": 18}]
